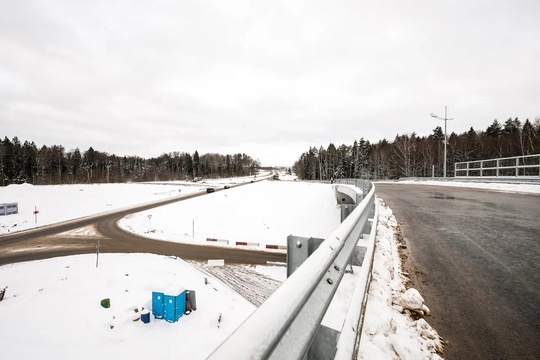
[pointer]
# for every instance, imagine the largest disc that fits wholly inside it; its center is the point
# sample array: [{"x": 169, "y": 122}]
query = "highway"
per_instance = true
[
  {"x": 475, "y": 257},
  {"x": 48, "y": 241}
]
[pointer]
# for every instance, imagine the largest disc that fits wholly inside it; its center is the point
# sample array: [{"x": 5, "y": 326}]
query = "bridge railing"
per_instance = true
[
  {"x": 284, "y": 326},
  {"x": 518, "y": 166}
]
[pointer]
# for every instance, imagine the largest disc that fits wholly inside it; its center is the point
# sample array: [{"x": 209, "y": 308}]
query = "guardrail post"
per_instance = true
[
  {"x": 299, "y": 248},
  {"x": 324, "y": 346},
  {"x": 481, "y": 168},
  {"x": 346, "y": 209}
]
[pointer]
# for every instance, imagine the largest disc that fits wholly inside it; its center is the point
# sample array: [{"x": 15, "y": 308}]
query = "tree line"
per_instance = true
[
  {"x": 25, "y": 162},
  {"x": 411, "y": 155}
]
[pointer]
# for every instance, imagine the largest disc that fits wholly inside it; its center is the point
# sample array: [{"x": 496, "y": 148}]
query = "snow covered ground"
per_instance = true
[
  {"x": 52, "y": 307},
  {"x": 57, "y": 203},
  {"x": 263, "y": 213}
]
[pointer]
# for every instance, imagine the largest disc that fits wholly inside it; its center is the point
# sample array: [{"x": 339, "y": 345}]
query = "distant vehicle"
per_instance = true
[
  {"x": 210, "y": 190},
  {"x": 226, "y": 187},
  {"x": 251, "y": 181},
  {"x": 275, "y": 177}
]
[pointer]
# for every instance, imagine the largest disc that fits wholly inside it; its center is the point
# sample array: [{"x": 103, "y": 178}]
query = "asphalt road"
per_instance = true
[
  {"x": 47, "y": 242},
  {"x": 475, "y": 257}
]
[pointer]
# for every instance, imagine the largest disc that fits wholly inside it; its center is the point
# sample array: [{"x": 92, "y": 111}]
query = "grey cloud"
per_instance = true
[{"x": 269, "y": 79}]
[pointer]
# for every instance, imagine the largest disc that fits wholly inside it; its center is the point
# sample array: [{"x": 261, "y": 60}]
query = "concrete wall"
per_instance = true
[{"x": 346, "y": 195}]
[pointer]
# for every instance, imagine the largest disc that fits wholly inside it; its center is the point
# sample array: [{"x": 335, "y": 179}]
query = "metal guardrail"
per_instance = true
[
  {"x": 349, "y": 339},
  {"x": 474, "y": 179},
  {"x": 284, "y": 326},
  {"x": 518, "y": 166}
]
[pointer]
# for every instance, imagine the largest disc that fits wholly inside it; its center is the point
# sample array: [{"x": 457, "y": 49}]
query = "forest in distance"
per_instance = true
[
  {"x": 52, "y": 165},
  {"x": 407, "y": 155},
  {"x": 411, "y": 155}
]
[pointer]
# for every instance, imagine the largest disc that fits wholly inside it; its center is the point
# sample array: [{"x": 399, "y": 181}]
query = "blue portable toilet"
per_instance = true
[
  {"x": 158, "y": 299},
  {"x": 169, "y": 305},
  {"x": 175, "y": 306}
]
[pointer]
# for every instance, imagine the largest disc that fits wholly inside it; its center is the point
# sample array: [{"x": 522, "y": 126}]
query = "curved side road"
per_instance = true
[
  {"x": 475, "y": 256},
  {"x": 89, "y": 220},
  {"x": 118, "y": 240},
  {"x": 45, "y": 242}
]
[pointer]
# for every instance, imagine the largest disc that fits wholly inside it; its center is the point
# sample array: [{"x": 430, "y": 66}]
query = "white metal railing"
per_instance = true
[
  {"x": 284, "y": 326},
  {"x": 527, "y": 166}
]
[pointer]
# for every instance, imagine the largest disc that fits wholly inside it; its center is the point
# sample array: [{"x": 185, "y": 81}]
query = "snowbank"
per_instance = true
[
  {"x": 388, "y": 333},
  {"x": 517, "y": 188}
]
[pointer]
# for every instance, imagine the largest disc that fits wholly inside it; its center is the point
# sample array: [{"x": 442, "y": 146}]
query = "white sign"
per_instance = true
[{"x": 217, "y": 262}]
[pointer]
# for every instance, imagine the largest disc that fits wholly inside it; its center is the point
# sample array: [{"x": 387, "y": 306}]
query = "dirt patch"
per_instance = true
[{"x": 412, "y": 277}]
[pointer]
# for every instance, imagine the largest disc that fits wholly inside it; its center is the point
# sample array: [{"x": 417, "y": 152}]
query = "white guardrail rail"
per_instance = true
[
  {"x": 527, "y": 166},
  {"x": 284, "y": 326}
]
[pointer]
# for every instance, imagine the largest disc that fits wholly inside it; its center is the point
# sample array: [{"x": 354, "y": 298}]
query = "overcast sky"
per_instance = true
[{"x": 265, "y": 78}]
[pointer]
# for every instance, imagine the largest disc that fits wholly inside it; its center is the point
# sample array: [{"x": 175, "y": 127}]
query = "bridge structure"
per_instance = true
[{"x": 288, "y": 324}]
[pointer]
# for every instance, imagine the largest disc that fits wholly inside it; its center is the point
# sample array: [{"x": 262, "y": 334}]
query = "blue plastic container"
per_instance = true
[{"x": 145, "y": 316}]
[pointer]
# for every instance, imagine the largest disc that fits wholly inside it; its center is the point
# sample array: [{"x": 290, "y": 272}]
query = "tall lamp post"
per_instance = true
[{"x": 445, "y": 141}]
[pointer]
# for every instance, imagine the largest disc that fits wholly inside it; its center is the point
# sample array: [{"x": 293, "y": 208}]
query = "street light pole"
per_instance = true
[{"x": 445, "y": 138}]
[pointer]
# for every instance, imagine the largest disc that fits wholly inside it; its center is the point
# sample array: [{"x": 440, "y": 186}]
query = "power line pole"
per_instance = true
[{"x": 445, "y": 138}]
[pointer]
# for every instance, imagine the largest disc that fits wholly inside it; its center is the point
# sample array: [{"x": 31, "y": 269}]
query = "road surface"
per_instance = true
[{"x": 475, "y": 257}]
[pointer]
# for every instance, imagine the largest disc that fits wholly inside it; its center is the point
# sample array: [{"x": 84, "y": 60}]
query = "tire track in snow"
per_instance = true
[{"x": 250, "y": 284}]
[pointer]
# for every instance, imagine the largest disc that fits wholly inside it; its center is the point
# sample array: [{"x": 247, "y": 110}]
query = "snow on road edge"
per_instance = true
[
  {"x": 501, "y": 187},
  {"x": 387, "y": 332}
]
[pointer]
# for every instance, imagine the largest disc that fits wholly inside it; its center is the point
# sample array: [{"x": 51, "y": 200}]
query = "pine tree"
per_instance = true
[
  {"x": 88, "y": 163},
  {"x": 495, "y": 129},
  {"x": 76, "y": 161},
  {"x": 196, "y": 164},
  {"x": 528, "y": 138},
  {"x": 6, "y": 161},
  {"x": 331, "y": 161},
  {"x": 512, "y": 126},
  {"x": 437, "y": 134},
  {"x": 472, "y": 145},
  {"x": 29, "y": 155}
]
